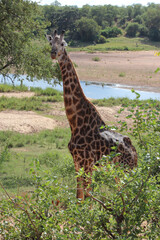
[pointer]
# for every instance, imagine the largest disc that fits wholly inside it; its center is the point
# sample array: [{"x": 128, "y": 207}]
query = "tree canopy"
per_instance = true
[
  {"x": 134, "y": 20},
  {"x": 22, "y": 23},
  {"x": 87, "y": 29}
]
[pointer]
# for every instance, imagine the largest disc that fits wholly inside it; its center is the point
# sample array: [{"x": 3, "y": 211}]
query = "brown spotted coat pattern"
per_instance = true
[{"x": 89, "y": 141}]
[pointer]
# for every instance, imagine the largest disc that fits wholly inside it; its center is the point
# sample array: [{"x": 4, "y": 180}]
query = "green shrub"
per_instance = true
[
  {"x": 122, "y": 74},
  {"x": 132, "y": 29},
  {"x": 46, "y": 92},
  {"x": 142, "y": 31},
  {"x": 4, "y": 155},
  {"x": 96, "y": 59},
  {"x": 112, "y": 101},
  {"x": 102, "y": 39},
  {"x": 111, "y": 32},
  {"x": 154, "y": 34},
  {"x": 13, "y": 182}
]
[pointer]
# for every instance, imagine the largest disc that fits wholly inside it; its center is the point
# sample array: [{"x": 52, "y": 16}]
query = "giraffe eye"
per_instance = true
[{"x": 62, "y": 44}]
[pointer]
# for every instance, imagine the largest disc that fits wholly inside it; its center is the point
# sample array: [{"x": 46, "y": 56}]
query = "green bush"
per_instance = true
[
  {"x": 87, "y": 29},
  {"x": 122, "y": 74},
  {"x": 96, "y": 59},
  {"x": 132, "y": 29},
  {"x": 45, "y": 92},
  {"x": 102, "y": 39},
  {"x": 4, "y": 155},
  {"x": 127, "y": 208},
  {"x": 142, "y": 31},
  {"x": 154, "y": 34},
  {"x": 111, "y": 32}
]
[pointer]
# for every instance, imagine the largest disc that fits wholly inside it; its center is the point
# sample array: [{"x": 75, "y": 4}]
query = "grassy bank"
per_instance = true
[
  {"x": 19, "y": 151},
  {"x": 119, "y": 44},
  {"x": 39, "y": 102},
  {"x": 110, "y": 102}
]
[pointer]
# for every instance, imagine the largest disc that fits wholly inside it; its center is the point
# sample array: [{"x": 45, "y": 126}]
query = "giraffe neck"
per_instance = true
[
  {"x": 76, "y": 103},
  {"x": 71, "y": 84}
]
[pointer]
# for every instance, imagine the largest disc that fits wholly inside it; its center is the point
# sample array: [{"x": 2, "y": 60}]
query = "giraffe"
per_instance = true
[{"x": 90, "y": 139}]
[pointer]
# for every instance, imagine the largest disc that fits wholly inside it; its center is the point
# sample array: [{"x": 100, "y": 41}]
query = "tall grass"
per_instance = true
[
  {"x": 35, "y": 103},
  {"x": 110, "y": 102},
  {"x": 58, "y": 137},
  {"x": 39, "y": 91},
  {"x": 46, "y": 92},
  {"x": 11, "y": 88},
  {"x": 26, "y": 104}
]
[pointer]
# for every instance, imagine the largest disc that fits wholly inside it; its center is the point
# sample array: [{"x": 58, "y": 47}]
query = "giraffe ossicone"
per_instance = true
[{"x": 90, "y": 139}]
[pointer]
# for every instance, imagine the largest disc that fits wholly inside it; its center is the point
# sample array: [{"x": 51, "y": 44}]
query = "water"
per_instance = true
[{"x": 92, "y": 90}]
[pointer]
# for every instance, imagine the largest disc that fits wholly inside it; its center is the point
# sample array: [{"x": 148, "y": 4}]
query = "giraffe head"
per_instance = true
[{"x": 57, "y": 43}]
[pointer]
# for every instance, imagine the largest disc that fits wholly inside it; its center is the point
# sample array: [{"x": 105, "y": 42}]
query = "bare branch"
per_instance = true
[
  {"x": 7, "y": 65},
  {"x": 97, "y": 200}
]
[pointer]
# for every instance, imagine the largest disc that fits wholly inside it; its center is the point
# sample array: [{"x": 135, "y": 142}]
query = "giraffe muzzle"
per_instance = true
[{"x": 53, "y": 54}]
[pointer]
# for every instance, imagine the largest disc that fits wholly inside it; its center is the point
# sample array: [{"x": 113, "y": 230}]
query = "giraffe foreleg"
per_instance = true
[
  {"x": 80, "y": 188},
  {"x": 83, "y": 181},
  {"x": 80, "y": 182}
]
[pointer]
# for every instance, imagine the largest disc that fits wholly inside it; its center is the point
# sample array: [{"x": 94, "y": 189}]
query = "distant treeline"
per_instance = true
[
  {"x": 24, "y": 24},
  {"x": 96, "y": 23}
]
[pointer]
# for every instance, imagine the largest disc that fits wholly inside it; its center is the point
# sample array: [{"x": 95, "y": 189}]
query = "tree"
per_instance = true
[
  {"x": 142, "y": 31},
  {"x": 97, "y": 13},
  {"x": 152, "y": 21},
  {"x": 129, "y": 10},
  {"x": 110, "y": 15},
  {"x": 87, "y": 29},
  {"x": 61, "y": 17},
  {"x": 56, "y": 3},
  {"x": 21, "y": 23},
  {"x": 137, "y": 10},
  {"x": 132, "y": 29},
  {"x": 85, "y": 11}
]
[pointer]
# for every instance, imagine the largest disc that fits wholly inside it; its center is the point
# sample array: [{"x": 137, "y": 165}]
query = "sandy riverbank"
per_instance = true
[{"x": 126, "y": 68}]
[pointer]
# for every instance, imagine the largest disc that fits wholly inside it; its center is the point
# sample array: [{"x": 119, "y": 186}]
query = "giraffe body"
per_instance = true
[{"x": 90, "y": 140}]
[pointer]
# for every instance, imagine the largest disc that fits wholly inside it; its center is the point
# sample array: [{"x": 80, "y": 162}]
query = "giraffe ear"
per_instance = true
[
  {"x": 62, "y": 35},
  {"x": 49, "y": 38},
  {"x": 65, "y": 44},
  {"x": 55, "y": 33}
]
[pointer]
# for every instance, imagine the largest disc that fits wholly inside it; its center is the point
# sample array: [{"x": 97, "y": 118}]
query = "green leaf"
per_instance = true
[{"x": 157, "y": 70}]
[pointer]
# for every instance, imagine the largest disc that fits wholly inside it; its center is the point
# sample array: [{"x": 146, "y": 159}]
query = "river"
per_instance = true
[{"x": 91, "y": 89}]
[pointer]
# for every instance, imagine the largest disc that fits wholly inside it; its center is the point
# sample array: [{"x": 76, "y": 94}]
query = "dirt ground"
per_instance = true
[
  {"x": 30, "y": 122},
  {"x": 17, "y": 94},
  {"x": 136, "y": 69},
  {"x": 24, "y": 121},
  {"x": 126, "y": 68}
]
